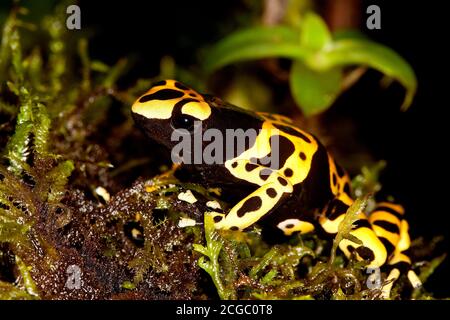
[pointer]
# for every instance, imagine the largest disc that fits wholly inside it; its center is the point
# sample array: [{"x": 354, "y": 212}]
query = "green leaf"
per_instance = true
[
  {"x": 314, "y": 91},
  {"x": 314, "y": 33},
  {"x": 355, "y": 51},
  {"x": 255, "y": 43}
]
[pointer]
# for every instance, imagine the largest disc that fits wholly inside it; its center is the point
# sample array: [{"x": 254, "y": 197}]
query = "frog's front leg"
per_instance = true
[{"x": 273, "y": 189}]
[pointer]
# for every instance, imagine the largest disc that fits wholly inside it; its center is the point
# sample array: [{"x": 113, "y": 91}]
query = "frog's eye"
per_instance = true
[{"x": 183, "y": 122}]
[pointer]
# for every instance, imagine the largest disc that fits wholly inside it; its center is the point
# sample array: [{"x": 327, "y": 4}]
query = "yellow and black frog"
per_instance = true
[{"x": 283, "y": 176}]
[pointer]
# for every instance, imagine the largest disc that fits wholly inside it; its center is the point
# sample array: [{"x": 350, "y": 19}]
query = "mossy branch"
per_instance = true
[
  {"x": 24, "y": 290},
  {"x": 58, "y": 178},
  {"x": 41, "y": 130},
  {"x": 18, "y": 146},
  {"x": 368, "y": 180},
  {"x": 9, "y": 291},
  {"x": 264, "y": 262},
  {"x": 33, "y": 119},
  {"x": 10, "y": 48},
  {"x": 54, "y": 24},
  {"x": 27, "y": 280},
  {"x": 16, "y": 210},
  {"x": 151, "y": 255},
  {"x": 83, "y": 52},
  {"x": 214, "y": 244}
]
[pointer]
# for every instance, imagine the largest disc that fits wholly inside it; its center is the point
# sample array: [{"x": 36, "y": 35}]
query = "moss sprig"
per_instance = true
[{"x": 211, "y": 251}]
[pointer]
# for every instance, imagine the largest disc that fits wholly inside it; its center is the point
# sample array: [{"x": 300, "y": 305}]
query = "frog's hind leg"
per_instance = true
[
  {"x": 371, "y": 249},
  {"x": 388, "y": 223},
  {"x": 399, "y": 264}
]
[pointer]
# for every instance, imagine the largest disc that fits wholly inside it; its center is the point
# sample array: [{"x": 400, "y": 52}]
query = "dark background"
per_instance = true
[{"x": 413, "y": 143}]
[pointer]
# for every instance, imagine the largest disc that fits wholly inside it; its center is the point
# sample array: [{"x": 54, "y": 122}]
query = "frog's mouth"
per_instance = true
[
  {"x": 158, "y": 130},
  {"x": 161, "y": 132}
]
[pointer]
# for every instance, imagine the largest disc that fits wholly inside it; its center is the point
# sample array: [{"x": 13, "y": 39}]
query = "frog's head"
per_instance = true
[
  {"x": 170, "y": 106},
  {"x": 167, "y": 106}
]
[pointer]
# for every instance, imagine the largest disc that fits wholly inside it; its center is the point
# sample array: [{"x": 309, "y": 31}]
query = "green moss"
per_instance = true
[
  {"x": 214, "y": 245},
  {"x": 272, "y": 272},
  {"x": 345, "y": 227}
]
